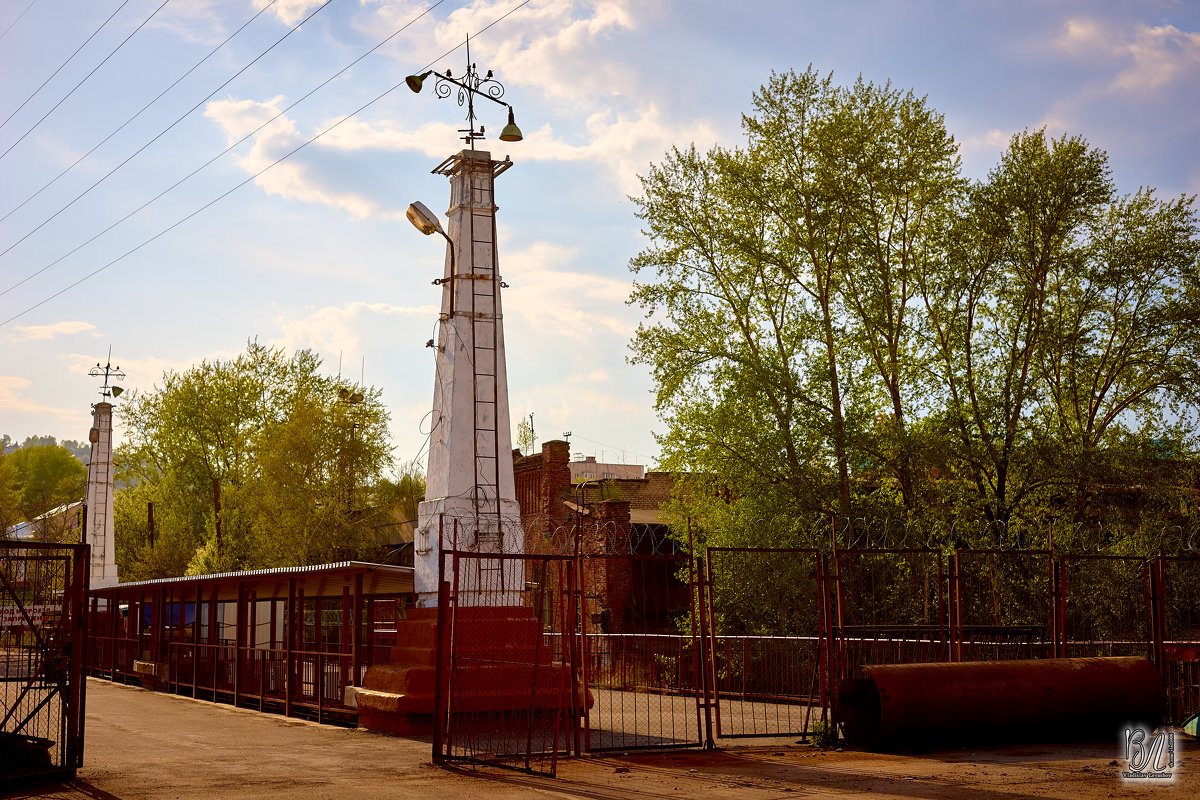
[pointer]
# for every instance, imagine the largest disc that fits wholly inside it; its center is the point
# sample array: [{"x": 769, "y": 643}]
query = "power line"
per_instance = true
[
  {"x": 210, "y": 54},
  {"x": 32, "y": 3},
  {"x": 60, "y": 66},
  {"x": 250, "y": 179},
  {"x": 84, "y": 80},
  {"x": 137, "y": 152}
]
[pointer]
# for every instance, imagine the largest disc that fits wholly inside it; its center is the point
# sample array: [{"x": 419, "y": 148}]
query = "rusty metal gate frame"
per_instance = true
[
  {"x": 507, "y": 735},
  {"x": 51, "y": 665},
  {"x": 761, "y": 704},
  {"x": 944, "y": 632},
  {"x": 1178, "y": 659},
  {"x": 675, "y": 703}
]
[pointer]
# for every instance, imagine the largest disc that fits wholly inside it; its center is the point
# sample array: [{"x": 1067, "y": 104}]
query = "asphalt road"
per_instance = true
[{"x": 153, "y": 746}]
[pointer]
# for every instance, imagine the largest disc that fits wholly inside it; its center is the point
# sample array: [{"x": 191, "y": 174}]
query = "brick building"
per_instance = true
[{"x": 632, "y": 562}]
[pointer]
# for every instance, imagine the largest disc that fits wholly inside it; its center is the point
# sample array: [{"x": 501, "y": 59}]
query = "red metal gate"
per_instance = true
[
  {"x": 641, "y": 653},
  {"x": 559, "y": 654},
  {"x": 508, "y": 661},
  {"x": 1176, "y": 618},
  {"x": 766, "y": 619},
  {"x": 42, "y": 632}
]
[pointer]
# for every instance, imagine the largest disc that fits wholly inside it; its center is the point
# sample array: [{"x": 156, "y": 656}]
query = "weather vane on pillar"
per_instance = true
[
  {"x": 470, "y": 86},
  {"x": 108, "y": 372}
]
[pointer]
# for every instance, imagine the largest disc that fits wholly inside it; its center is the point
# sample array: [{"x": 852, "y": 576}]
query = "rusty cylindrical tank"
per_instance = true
[{"x": 912, "y": 706}]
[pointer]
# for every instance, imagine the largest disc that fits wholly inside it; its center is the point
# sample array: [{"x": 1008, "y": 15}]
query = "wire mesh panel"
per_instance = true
[
  {"x": 891, "y": 608},
  {"x": 511, "y": 698},
  {"x": 640, "y": 657},
  {"x": 41, "y": 658},
  {"x": 1105, "y": 606},
  {"x": 1001, "y": 605},
  {"x": 1180, "y": 664},
  {"x": 766, "y": 641}
]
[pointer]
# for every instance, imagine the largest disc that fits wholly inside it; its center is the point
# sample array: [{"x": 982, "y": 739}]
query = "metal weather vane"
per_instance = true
[
  {"x": 471, "y": 85},
  {"x": 108, "y": 372}
]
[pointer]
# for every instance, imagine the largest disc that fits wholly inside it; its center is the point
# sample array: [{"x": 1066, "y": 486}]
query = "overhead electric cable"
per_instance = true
[
  {"x": 232, "y": 146},
  {"x": 84, "y": 80},
  {"x": 143, "y": 110},
  {"x": 32, "y": 3},
  {"x": 60, "y": 66},
  {"x": 157, "y": 136},
  {"x": 248, "y": 180}
]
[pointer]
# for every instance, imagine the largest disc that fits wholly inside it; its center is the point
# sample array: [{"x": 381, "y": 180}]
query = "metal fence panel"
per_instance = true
[
  {"x": 640, "y": 655},
  {"x": 511, "y": 697},
  {"x": 1180, "y": 658},
  {"x": 42, "y": 630},
  {"x": 891, "y": 608},
  {"x": 1106, "y": 610},
  {"x": 1001, "y": 605},
  {"x": 766, "y": 641}
]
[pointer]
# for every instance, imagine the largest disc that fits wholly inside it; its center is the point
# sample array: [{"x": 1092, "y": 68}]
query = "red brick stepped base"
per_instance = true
[{"x": 495, "y": 670}]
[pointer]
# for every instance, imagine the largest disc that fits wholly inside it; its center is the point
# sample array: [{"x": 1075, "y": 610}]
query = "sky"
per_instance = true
[{"x": 180, "y": 177}]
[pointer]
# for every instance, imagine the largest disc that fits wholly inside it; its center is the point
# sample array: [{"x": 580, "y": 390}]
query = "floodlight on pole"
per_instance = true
[
  {"x": 427, "y": 223},
  {"x": 424, "y": 220},
  {"x": 469, "y": 87}
]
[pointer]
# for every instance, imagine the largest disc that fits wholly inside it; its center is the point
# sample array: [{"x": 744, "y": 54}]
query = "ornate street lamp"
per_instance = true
[{"x": 469, "y": 87}]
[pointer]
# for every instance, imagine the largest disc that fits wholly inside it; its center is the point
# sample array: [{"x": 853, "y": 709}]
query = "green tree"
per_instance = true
[
  {"x": 1123, "y": 345},
  {"x": 838, "y": 324},
  {"x": 259, "y": 461},
  {"x": 10, "y": 506},
  {"x": 46, "y": 476},
  {"x": 395, "y": 505},
  {"x": 783, "y": 278}
]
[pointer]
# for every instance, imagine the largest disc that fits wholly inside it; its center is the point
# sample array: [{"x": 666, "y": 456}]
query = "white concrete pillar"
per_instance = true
[
  {"x": 99, "y": 524},
  {"x": 469, "y": 480}
]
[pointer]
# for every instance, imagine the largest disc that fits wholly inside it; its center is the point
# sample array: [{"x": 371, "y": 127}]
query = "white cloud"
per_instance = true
[
  {"x": 44, "y": 332},
  {"x": 353, "y": 134},
  {"x": 594, "y": 376},
  {"x": 551, "y": 45},
  {"x": 290, "y": 11},
  {"x": 565, "y": 304},
  {"x": 335, "y": 329},
  {"x": 1141, "y": 59},
  {"x": 202, "y": 21},
  {"x": 619, "y": 145},
  {"x": 144, "y": 373},
  {"x": 292, "y": 179},
  {"x": 555, "y": 46},
  {"x": 14, "y": 401}
]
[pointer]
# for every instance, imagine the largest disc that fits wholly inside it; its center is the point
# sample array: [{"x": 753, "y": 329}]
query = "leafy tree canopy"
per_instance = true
[
  {"x": 259, "y": 461},
  {"x": 841, "y": 326},
  {"x": 40, "y": 477}
]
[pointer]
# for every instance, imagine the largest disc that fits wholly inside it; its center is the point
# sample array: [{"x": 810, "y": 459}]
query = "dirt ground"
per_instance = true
[{"x": 152, "y": 746}]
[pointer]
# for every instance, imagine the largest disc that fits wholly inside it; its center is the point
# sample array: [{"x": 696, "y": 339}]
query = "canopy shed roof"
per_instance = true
[{"x": 323, "y": 580}]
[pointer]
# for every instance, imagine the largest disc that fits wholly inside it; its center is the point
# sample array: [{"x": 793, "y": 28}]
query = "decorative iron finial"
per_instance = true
[
  {"x": 108, "y": 372},
  {"x": 472, "y": 84}
]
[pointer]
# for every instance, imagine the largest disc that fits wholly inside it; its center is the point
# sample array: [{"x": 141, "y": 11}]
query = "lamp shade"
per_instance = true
[
  {"x": 415, "y": 82},
  {"x": 423, "y": 219},
  {"x": 511, "y": 132}
]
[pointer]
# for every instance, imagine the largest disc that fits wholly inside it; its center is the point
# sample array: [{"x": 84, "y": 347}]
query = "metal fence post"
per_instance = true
[{"x": 441, "y": 686}]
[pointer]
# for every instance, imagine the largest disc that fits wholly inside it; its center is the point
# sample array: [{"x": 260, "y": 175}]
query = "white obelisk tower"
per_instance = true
[
  {"x": 99, "y": 523},
  {"x": 470, "y": 498}
]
